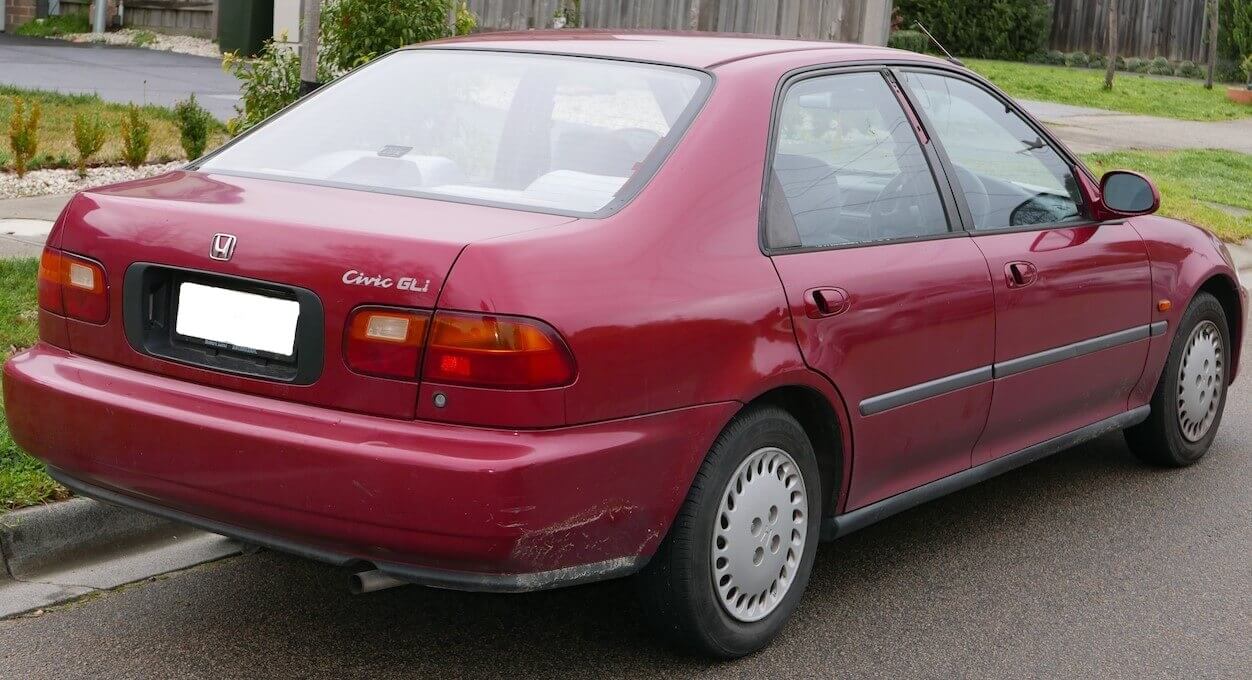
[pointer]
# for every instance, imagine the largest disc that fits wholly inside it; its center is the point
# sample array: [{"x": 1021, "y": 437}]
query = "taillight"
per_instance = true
[
  {"x": 504, "y": 352},
  {"x": 385, "y": 342},
  {"x": 73, "y": 286}
]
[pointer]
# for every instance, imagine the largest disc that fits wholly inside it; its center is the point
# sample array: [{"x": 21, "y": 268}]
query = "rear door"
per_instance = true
[
  {"x": 1073, "y": 297},
  {"x": 889, "y": 301}
]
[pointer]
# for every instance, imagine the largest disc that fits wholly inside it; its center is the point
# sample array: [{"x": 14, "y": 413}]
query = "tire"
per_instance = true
[
  {"x": 677, "y": 588},
  {"x": 1173, "y": 435}
]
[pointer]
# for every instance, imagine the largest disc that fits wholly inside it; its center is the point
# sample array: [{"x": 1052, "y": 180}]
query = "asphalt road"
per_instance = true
[
  {"x": 1087, "y": 564},
  {"x": 117, "y": 74}
]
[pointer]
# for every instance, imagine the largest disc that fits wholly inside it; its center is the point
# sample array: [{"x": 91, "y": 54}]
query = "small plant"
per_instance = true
[
  {"x": 23, "y": 134},
  {"x": 913, "y": 41},
  {"x": 1098, "y": 61},
  {"x": 1077, "y": 59},
  {"x": 76, "y": 22},
  {"x": 1160, "y": 67},
  {"x": 89, "y": 133},
  {"x": 194, "y": 124},
  {"x": 136, "y": 137},
  {"x": 143, "y": 38},
  {"x": 1120, "y": 64},
  {"x": 1056, "y": 58},
  {"x": 1142, "y": 65}
]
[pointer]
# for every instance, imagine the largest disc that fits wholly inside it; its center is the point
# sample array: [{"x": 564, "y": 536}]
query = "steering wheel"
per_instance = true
[{"x": 890, "y": 215}]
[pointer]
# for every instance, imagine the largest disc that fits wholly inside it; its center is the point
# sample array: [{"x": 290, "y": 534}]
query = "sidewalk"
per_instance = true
[
  {"x": 1087, "y": 130},
  {"x": 25, "y": 223}
]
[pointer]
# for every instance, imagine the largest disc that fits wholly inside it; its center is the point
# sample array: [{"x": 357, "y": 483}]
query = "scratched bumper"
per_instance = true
[{"x": 446, "y": 505}]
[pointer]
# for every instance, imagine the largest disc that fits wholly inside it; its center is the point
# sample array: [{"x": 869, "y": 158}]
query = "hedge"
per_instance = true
[{"x": 989, "y": 29}]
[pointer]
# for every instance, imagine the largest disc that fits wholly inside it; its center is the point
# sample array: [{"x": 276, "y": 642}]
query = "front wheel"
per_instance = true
[
  {"x": 738, "y": 556},
  {"x": 1191, "y": 394}
]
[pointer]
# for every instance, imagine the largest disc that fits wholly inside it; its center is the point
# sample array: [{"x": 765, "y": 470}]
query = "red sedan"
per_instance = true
[{"x": 525, "y": 311}]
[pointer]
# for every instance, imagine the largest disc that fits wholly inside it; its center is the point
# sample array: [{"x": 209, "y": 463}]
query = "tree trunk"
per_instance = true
[
  {"x": 1111, "y": 52},
  {"x": 310, "y": 29},
  {"x": 1213, "y": 28}
]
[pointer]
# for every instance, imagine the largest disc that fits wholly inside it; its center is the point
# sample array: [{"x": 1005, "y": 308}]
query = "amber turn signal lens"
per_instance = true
[
  {"x": 386, "y": 342},
  {"x": 1164, "y": 306},
  {"x": 73, "y": 286},
  {"x": 502, "y": 352}
]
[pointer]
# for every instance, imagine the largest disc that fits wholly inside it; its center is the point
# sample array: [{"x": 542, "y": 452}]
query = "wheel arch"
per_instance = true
[{"x": 1226, "y": 291}]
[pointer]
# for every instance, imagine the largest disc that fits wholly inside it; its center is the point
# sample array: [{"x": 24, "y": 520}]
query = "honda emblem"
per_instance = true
[{"x": 223, "y": 247}]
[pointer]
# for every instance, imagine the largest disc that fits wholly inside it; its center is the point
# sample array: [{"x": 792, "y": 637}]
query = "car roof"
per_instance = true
[{"x": 680, "y": 48}]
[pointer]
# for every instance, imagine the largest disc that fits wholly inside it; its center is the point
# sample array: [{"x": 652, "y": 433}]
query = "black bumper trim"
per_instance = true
[{"x": 425, "y": 576}]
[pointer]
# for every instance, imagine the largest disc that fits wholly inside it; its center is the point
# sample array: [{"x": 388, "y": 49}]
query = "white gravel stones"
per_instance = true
[{"x": 44, "y": 182}]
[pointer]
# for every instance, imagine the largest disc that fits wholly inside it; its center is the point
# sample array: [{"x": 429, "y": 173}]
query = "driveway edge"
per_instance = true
[{"x": 58, "y": 552}]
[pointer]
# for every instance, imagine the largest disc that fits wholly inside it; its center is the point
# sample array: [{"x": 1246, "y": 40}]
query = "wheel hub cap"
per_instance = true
[
  {"x": 1201, "y": 378},
  {"x": 759, "y": 534}
]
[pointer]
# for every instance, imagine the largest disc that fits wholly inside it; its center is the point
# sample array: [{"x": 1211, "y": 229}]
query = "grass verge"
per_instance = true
[
  {"x": 1202, "y": 186},
  {"x": 22, "y": 478},
  {"x": 1132, "y": 92},
  {"x": 56, "y": 129},
  {"x": 61, "y": 24}
]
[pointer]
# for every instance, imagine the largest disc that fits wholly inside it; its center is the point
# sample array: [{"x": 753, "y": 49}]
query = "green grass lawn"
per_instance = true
[
  {"x": 56, "y": 129},
  {"x": 22, "y": 478},
  {"x": 1190, "y": 181},
  {"x": 1132, "y": 92}
]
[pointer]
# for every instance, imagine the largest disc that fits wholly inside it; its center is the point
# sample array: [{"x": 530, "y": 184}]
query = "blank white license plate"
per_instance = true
[{"x": 237, "y": 320}]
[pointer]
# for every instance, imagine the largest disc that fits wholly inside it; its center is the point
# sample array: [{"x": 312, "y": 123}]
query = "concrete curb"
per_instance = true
[{"x": 55, "y": 553}]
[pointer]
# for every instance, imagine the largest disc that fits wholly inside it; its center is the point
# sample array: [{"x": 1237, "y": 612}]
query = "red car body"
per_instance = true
[{"x": 676, "y": 318}]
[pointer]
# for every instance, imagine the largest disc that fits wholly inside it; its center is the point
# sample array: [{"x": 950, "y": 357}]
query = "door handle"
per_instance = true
[
  {"x": 821, "y": 302},
  {"x": 1020, "y": 274}
]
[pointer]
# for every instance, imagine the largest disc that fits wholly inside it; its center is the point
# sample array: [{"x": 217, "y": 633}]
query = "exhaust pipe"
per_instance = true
[{"x": 371, "y": 581}]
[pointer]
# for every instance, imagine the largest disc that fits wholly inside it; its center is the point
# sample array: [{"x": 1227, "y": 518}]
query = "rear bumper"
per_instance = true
[{"x": 444, "y": 505}]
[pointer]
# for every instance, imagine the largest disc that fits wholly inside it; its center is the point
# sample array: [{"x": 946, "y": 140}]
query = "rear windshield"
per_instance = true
[{"x": 549, "y": 133}]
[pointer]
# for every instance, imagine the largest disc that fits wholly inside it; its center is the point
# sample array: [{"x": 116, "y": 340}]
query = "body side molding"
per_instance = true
[{"x": 844, "y": 524}]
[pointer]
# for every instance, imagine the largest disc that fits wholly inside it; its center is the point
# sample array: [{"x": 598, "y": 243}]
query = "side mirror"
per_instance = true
[{"x": 1128, "y": 194}]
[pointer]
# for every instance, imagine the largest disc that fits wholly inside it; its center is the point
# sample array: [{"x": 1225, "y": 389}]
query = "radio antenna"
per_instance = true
[{"x": 938, "y": 44}]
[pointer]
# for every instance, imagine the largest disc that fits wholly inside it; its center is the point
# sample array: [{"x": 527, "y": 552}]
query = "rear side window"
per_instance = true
[
  {"x": 848, "y": 168},
  {"x": 556, "y": 133}
]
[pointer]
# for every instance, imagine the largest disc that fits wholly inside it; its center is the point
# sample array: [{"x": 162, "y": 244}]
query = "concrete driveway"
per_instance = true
[
  {"x": 1086, "y": 130},
  {"x": 117, "y": 74}
]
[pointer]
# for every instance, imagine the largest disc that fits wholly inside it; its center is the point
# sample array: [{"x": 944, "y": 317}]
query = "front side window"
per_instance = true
[
  {"x": 546, "y": 132},
  {"x": 848, "y": 168},
  {"x": 1010, "y": 175}
]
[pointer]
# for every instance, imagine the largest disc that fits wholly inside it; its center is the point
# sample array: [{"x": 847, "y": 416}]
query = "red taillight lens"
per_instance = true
[
  {"x": 73, "y": 287},
  {"x": 496, "y": 351},
  {"x": 385, "y": 342}
]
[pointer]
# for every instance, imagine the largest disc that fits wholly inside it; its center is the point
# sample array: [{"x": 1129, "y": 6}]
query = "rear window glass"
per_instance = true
[{"x": 555, "y": 133}]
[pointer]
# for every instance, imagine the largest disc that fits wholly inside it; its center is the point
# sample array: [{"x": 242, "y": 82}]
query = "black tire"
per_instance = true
[
  {"x": 1160, "y": 439},
  {"x": 677, "y": 588}
]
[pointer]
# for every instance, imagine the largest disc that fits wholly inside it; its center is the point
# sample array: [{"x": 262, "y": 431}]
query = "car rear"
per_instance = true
[{"x": 244, "y": 345}]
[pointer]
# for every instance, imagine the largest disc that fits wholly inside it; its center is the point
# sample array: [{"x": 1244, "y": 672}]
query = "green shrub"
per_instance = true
[
  {"x": 78, "y": 22},
  {"x": 89, "y": 133},
  {"x": 1188, "y": 69},
  {"x": 1076, "y": 59},
  {"x": 1119, "y": 64},
  {"x": 194, "y": 124},
  {"x": 356, "y": 31},
  {"x": 1234, "y": 39},
  {"x": 913, "y": 41},
  {"x": 1160, "y": 67},
  {"x": 1141, "y": 65},
  {"x": 136, "y": 137},
  {"x": 143, "y": 38},
  {"x": 1098, "y": 61},
  {"x": 23, "y": 134},
  {"x": 1055, "y": 57},
  {"x": 992, "y": 29}
]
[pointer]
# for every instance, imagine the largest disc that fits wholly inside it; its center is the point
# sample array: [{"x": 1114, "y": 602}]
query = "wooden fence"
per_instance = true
[
  {"x": 843, "y": 20},
  {"x": 177, "y": 17},
  {"x": 1174, "y": 29}
]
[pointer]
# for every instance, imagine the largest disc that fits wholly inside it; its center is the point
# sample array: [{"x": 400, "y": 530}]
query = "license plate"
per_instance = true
[{"x": 236, "y": 320}]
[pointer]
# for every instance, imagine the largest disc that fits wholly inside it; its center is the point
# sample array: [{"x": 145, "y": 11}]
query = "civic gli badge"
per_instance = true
[{"x": 223, "y": 247}]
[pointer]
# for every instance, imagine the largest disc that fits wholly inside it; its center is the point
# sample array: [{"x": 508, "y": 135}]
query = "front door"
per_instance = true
[
  {"x": 1073, "y": 297},
  {"x": 889, "y": 302}
]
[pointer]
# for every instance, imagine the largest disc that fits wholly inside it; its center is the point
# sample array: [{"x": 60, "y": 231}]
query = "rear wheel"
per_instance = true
[
  {"x": 1191, "y": 394},
  {"x": 738, "y": 556}
]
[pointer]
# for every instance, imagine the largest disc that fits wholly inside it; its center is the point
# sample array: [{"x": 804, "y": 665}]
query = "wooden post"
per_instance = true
[
  {"x": 310, "y": 28},
  {"x": 1111, "y": 51},
  {"x": 1213, "y": 28}
]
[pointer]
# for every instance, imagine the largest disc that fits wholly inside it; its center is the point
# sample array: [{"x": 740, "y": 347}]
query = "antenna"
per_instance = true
[{"x": 938, "y": 44}]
